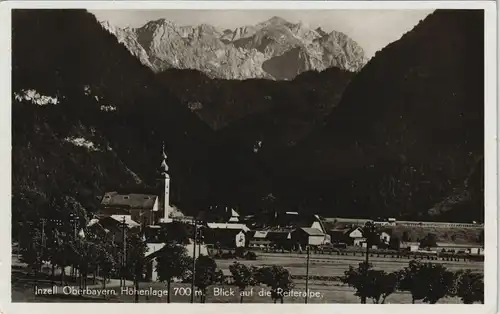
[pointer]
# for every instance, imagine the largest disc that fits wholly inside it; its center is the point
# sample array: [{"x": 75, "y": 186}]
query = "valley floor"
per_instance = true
[{"x": 324, "y": 291}]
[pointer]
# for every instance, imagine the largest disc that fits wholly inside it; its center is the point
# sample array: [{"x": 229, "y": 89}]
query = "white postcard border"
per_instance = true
[{"x": 491, "y": 160}]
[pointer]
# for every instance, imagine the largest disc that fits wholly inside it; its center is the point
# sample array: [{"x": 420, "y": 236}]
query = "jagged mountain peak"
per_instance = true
[
  {"x": 263, "y": 50},
  {"x": 275, "y": 20}
]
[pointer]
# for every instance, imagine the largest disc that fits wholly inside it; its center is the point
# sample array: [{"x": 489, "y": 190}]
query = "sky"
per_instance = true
[{"x": 371, "y": 29}]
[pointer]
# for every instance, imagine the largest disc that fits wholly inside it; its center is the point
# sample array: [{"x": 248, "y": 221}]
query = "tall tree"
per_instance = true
[
  {"x": 107, "y": 262},
  {"x": 243, "y": 277},
  {"x": 277, "y": 278},
  {"x": 369, "y": 283},
  {"x": 205, "y": 274},
  {"x": 428, "y": 241},
  {"x": 173, "y": 261},
  {"x": 469, "y": 286},
  {"x": 136, "y": 250},
  {"x": 426, "y": 281}
]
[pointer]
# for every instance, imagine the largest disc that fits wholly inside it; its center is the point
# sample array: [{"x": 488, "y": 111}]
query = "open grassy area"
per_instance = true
[{"x": 335, "y": 265}]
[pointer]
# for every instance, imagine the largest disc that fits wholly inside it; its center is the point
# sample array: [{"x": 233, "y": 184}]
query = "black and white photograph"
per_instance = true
[{"x": 276, "y": 155}]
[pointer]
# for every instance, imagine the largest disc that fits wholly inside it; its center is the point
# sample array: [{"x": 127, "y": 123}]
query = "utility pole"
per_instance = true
[
  {"x": 124, "y": 254},
  {"x": 200, "y": 238},
  {"x": 194, "y": 261},
  {"x": 43, "y": 239},
  {"x": 368, "y": 232},
  {"x": 19, "y": 240},
  {"x": 74, "y": 222},
  {"x": 307, "y": 273}
]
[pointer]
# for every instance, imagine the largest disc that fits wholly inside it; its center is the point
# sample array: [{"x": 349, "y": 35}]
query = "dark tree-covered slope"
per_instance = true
[
  {"x": 408, "y": 132},
  {"x": 66, "y": 54},
  {"x": 276, "y": 113}
]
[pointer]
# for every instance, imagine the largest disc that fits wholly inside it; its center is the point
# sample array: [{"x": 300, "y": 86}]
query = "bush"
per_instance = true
[
  {"x": 251, "y": 256},
  {"x": 239, "y": 252}
]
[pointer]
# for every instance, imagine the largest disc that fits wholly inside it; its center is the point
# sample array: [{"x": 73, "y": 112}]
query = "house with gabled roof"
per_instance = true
[
  {"x": 308, "y": 236},
  {"x": 140, "y": 207}
]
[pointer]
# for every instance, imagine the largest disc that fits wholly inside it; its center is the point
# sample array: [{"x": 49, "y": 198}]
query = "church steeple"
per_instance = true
[
  {"x": 165, "y": 185},
  {"x": 163, "y": 166}
]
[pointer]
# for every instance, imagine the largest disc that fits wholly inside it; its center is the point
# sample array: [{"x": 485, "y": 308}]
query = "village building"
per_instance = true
[
  {"x": 221, "y": 214},
  {"x": 154, "y": 249},
  {"x": 225, "y": 238},
  {"x": 235, "y": 226},
  {"x": 466, "y": 248},
  {"x": 340, "y": 235},
  {"x": 235, "y": 217},
  {"x": 140, "y": 207},
  {"x": 111, "y": 228},
  {"x": 258, "y": 239},
  {"x": 354, "y": 236},
  {"x": 280, "y": 238},
  {"x": 385, "y": 237},
  {"x": 308, "y": 236}
]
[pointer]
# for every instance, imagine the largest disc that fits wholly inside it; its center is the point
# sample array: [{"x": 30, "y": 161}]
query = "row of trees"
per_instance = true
[
  {"x": 424, "y": 281},
  {"x": 63, "y": 243}
]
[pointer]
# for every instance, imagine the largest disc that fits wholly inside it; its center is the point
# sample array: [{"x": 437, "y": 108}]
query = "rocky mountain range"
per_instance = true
[{"x": 275, "y": 49}]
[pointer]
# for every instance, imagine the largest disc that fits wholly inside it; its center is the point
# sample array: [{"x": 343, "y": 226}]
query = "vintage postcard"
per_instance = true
[{"x": 258, "y": 153}]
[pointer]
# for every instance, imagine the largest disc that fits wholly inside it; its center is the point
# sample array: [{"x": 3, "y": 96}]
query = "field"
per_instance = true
[
  {"x": 320, "y": 265},
  {"x": 335, "y": 265}
]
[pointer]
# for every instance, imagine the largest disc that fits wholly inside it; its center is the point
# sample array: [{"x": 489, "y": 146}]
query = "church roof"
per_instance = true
[{"x": 131, "y": 201}]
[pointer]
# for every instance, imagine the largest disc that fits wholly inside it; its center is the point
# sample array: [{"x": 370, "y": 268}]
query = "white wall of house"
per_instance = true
[
  {"x": 359, "y": 241},
  {"x": 315, "y": 240},
  {"x": 385, "y": 237},
  {"x": 240, "y": 239},
  {"x": 154, "y": 275}
]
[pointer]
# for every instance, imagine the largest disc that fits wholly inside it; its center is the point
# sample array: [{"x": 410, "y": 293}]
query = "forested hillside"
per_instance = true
[{"x": 407, "y": 137}]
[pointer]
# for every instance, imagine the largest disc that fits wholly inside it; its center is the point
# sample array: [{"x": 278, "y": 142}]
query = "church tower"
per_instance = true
[{"x": 165, "y": 187}]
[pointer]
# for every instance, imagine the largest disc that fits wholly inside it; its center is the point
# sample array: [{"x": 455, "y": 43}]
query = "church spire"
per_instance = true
[
  {"x": 163, "y": 165},
  {"x": 165, "y": 186}
]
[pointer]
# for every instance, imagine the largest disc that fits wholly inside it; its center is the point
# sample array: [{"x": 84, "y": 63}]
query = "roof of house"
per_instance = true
[
  {"x": 92, "y": 222},
  {"x": 223, "y": 232},
  {"x": 259, "y": 234},
  {"x": 153, "y": 247},
  {"x": 128, "y": 220},
  {"x": 313, "y": 231},
  {"x": 352, "y": 229},
  {"x": 216, "y": 225},
  {"x": 132, "y": 200},
  {"x": 278, "y": 235},
  {"x": 339, "y": 230}
]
